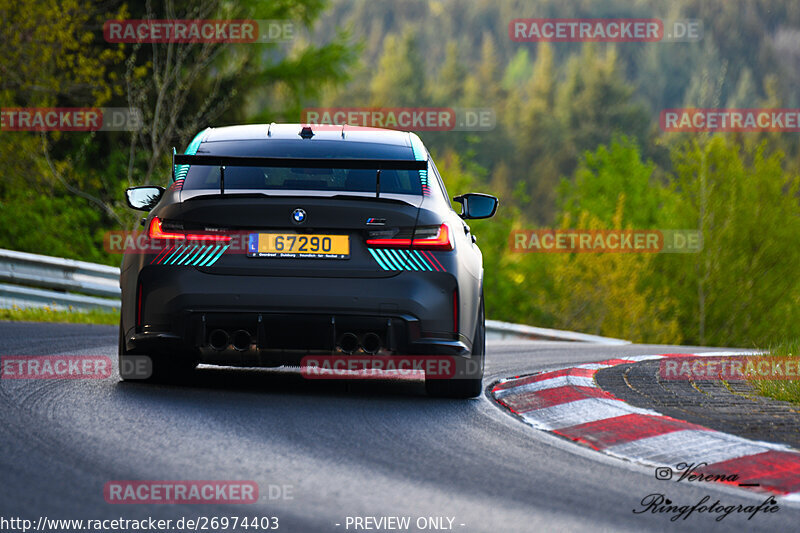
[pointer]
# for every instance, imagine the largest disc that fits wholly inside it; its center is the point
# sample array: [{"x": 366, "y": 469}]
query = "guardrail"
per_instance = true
[
  {"x": 32, "y": 280},
  {"x": 496, "y": 330}
]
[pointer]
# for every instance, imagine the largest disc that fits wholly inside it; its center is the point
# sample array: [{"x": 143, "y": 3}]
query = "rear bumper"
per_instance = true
[{"x": 412, "y": 311}]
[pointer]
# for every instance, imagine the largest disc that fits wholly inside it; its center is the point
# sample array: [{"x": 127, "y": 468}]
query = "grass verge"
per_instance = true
[
  {"x": 71, "y": 316},
  {"x": 780, "y": 389}
]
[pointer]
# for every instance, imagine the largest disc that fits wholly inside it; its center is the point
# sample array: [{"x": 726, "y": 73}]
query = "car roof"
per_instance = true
[
  {"x": 323, "y": 140},
  {"x": 324, "y": 132}
]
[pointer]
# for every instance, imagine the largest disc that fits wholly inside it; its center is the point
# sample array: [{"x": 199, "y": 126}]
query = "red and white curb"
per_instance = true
[{"x": 569, "y": 403}]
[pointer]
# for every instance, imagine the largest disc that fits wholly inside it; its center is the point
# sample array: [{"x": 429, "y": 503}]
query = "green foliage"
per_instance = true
[
  {"x": 740, "y": 290},
  {"x": 742, "y": 287},
  {"x": 608, "y": 293},
  {"x": 60, "y": 191},
  {"x": 398, "y": 79},
  {"x": 781, "y": 389},
  {"x": 609, "y": 173},
  {"x": 49, "y": 314},
  {"x": 53, "y": 225},
  {"x": 49, "y": 53}
]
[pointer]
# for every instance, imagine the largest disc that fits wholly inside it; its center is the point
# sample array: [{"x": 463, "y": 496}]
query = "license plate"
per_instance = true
[{"x": 315, "y": 246}]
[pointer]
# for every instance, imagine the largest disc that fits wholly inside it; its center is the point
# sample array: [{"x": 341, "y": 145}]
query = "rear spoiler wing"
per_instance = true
[{"x": 294, "y": 162}]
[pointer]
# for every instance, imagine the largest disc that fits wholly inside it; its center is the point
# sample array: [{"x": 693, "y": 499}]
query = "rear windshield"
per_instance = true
[{"x": 304, "y": 179}]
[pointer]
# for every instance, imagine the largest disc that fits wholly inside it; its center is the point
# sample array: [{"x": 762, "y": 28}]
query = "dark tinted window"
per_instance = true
[
  {"x": 304, "y": 179},
  {"x": 345, "y": 180}
]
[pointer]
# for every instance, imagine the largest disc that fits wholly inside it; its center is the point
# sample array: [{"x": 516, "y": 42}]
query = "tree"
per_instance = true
[
  {"x": 610, "y": 172},
  {"x": 53, "y": 57},
  {"x": 609, "y": 293},
  {"x": 742, "y": 289},
  {"x": 399, "y": 81},
  {"x": 449, "y": 86}
]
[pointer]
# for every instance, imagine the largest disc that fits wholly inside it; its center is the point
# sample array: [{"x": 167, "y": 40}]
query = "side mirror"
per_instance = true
[
  {"x": 477, "y": 205},
  {"x": 143, "y": 198}
]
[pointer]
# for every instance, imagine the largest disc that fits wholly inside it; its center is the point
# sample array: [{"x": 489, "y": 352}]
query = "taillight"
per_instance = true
[
  {"x": 156, "y": 231},
  {"x": 426, "y": 238},
  {"x": 440, "y": 240}
]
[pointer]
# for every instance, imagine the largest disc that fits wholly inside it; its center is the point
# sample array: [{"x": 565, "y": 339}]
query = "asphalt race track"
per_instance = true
[{"x": 343, "y": 449}]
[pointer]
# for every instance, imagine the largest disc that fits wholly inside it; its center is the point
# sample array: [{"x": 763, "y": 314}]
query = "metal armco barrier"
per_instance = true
[
  {"x": 496, "y": 330},
  {"x": 32, "y": 280}
]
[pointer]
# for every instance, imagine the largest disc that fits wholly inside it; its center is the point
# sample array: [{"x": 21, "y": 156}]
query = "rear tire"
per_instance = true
[
  {"x": 468, "y": 380},
  {"x": 160, "y": 368}
]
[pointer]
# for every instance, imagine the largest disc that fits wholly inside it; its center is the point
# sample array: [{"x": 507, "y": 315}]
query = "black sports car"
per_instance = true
[{"x": 278, "y": 241}]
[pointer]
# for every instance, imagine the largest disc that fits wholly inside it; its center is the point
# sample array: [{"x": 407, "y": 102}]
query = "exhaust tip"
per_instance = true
[
  {"x": 348, "y": 343},
  {"x": 241, "y": 340},
  {"x": 371, "y": 343},
  {"x": 218, "y": 339}
]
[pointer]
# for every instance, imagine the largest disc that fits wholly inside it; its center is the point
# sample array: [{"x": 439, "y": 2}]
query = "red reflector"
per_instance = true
[
  {"x": 139, "y": 305},
  {"x": 157, "y": 232},
  {"x": 441, "y": 241},
  {"x": 455, "y": 311}
]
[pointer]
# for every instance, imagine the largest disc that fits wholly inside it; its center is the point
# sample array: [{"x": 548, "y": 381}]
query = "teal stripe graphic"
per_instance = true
[
  {"x": 209, "y": 257},
  {"x": 218, "y": 255},
  {"x": 421, "y": 258},
  {"x": 389, "y": 264},
  {"x": 182, "y": 170},
  {"x": 419, "y": 154},
  {"x": 413, "y": 255},
  {"x": 203, "y": 255},
  {"x": 401, "y": 260},
  {"x": 388, "y": 260},
  {"x": 398, "y": 260},
  {"x": 183, "y": 255},
  {"x": 186, "y": 257},
  {"x": 377, "y": 259},
  {"x": 407, "y": 256},
  {"x": 190, "y": 261},
  {"x": 175, "y": 255}
]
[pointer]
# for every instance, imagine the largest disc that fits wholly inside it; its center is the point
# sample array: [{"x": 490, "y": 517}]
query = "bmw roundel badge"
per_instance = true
[{"x": 298, "y": 216}]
